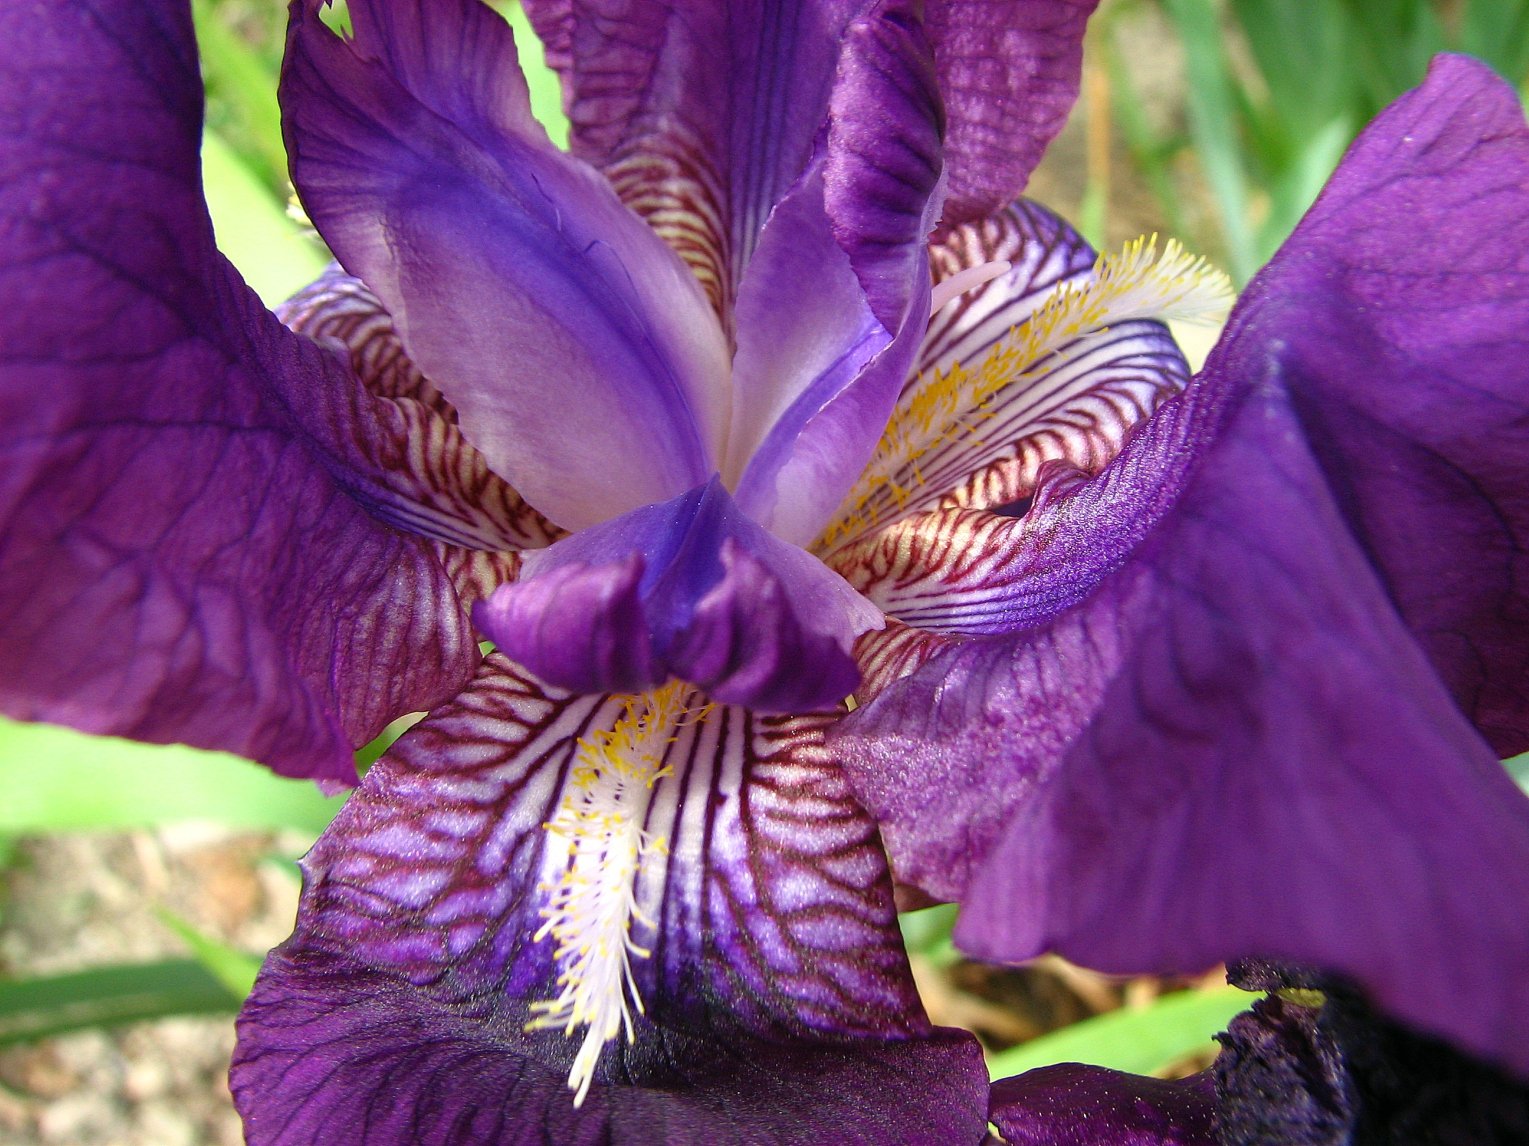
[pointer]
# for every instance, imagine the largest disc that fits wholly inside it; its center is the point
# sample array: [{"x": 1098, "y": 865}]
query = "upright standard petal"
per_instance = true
[
  {"x": 806, "y": 422},
  {"x": 685, "y": 885},
  {"x": 1009, "y": 75},
  {"x": 1224, "y": 733},
  {"x": 560, "y": 328},
  {"x": 184, "y": 552},
  {"x": 702, "y": 115}
]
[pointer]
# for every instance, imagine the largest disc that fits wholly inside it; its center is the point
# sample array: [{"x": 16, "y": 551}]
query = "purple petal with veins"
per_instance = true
[
  {"x": 702, "y": 115},
  {"x": 765, "y": 955},
  {"x": 1217, "y": 727},
  {"x": 559, "y": 326},
  {"x": 1009, "y": 74},
  {"x": 171, "y": 453}
]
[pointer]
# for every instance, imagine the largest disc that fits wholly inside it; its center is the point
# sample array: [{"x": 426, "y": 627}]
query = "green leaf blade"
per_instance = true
[
  {"x": 1140, "y": 1041},
  {"x": 110, "y": 996}
]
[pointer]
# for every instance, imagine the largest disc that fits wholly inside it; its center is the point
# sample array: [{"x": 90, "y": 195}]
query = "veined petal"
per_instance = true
[
  {"x": 692, "y": 588},
  {"x": 876, "y": 199},
  {"x": 440, "y": 485},
  {"x": 1242, "y": 656},
  {"x": 969, "y": 571},
  {"x": 1044, "y": 253},
  {"x": 1009, "y": 75},
  {"x": 701, "y": 115},
  {"x": 1047, "y": 363},
  {"x": 336, "y": 305},
  {"x": 731, "y": 899},
  {"x": 184, "y": 552},
  {"x": 559, "y": 327},
  {"x": 1228, "y": 740},
  {"x": 891, "y": 653},
  {"x": 1406, "y": 361}
]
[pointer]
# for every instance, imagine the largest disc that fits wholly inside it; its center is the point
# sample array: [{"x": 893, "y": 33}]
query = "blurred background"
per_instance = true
[{"x": 140, "y": 887}]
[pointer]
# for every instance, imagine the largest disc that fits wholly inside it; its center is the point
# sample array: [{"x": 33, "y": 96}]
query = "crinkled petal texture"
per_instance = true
[
  {"x": 694, "y": 589},
  {"x": 1009, "y": 75},
  {"x": 1070, "y": 1104},
  {"x": 186, "y": 552},
  {"x": 1222, "y": 730},
  {"x": 457, "y": 889}
]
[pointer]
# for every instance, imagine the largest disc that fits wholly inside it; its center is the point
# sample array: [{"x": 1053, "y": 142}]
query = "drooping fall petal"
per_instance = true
[
  {"x": 170, "y": 450},
  {"x": 724, "y": 892},
  {"x": 1221, "y": 731},
  {"x": 1398, "y": 317}
]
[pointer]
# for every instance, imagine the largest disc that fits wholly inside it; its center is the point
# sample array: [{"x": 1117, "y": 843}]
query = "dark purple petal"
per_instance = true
[
  {"x": 691, "y": 588},
  {"x": 777, "y": 1003},
  {"x": 1075, "y": 1105},
  {"x": 559, "y": 326},
  {"x": 1399, "y": 316},
  {"x": 1009, "y": 75},
  {"x": 1232, "y": 747},
  {"x": 884, "y": 159},
  {"x": 1211, "y": 734},
  {"x": 182, "y": 552}
]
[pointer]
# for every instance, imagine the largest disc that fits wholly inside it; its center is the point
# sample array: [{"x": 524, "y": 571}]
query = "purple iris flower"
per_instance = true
[{"x": 798, "y": 557}]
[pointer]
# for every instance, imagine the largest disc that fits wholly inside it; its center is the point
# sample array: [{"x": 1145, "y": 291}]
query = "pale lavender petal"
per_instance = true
[
  {"x": 777, "y": 1002},
  {"x": 1075, "y": 1105},
  {"x": 1009, "y": 74},
  {"x": 797, "y": 345},
  {"x": 881, "y": 164},
  {"x": 558, "y": 325},
  {"x": 184, "y": 552},
  {"x": 690, "y": 588}
]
